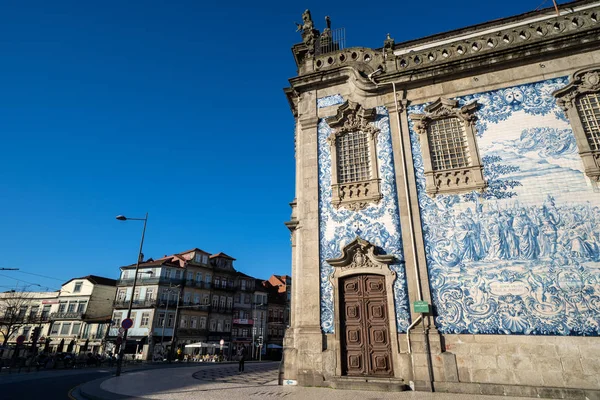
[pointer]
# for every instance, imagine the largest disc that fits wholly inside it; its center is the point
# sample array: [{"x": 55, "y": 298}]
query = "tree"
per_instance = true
[{"x": 13, "y": 313}]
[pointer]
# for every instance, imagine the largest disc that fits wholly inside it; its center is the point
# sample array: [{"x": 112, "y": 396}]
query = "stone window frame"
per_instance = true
[
  {"x": 582, "y": 82},
  {"x": 352, "y": 117},
  {"x": 455, "y": 180}
]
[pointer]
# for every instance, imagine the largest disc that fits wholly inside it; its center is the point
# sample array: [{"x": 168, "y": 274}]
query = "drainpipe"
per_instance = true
[{"x": 413, "y": 242}]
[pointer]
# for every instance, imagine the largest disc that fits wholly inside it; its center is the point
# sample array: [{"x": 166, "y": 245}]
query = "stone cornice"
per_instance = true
[
  {"x": 571, "y": 32},
  {"x": 539, "y": 51}
]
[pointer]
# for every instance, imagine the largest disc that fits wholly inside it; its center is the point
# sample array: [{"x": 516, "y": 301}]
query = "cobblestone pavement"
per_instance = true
[
  {"x": 223, "y": 382},
  {"x": 260, "y": 374}
]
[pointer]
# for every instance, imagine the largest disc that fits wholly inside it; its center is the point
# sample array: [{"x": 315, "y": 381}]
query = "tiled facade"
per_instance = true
[{"x": 510, "y": 270}]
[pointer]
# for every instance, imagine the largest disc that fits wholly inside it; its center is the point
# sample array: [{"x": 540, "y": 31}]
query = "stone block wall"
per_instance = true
[{"x": 551, "y": 361}]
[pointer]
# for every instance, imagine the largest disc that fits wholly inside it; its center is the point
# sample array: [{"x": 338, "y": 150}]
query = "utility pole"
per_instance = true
[{"x": 174, "y": 335}]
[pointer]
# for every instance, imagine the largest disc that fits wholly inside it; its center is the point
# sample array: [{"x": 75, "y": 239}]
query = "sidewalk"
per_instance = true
[{"x": 223, "y": 382}]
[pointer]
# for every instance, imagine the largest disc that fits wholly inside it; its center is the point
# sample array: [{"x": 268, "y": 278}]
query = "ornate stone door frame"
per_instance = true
[{"x": 358, "y": 257}]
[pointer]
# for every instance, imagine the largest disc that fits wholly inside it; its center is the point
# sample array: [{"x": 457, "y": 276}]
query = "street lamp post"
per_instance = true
[
  {"x": 137, "y": 266},
  {"x": 162, "y": 336}
]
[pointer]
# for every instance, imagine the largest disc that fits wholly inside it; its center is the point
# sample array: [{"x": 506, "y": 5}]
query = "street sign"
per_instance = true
[
  {"x": 42, "y": 339},
  {"x": 127, "y": 323},
  {"x": 121, "y": 330},
  {"x": 421, "y": 307},
  {"x": 20, "y": 339}
]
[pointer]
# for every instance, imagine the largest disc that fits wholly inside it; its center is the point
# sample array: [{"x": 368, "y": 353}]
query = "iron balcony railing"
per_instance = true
[
  {"x": 228, "y": 287},
  {"x": 150, "y": 281},
  {"x": 219, "y": 309},
  {"x": 330, "y": 40},
  {"x": 194, "y": 306},
  {"x": 92, "y": 336},
  {"x": 66, "y": 315},
  {"x": 136, "y": 303},
  {"x": 198, "y": 284},
  {"x": 192, "y": 332}
]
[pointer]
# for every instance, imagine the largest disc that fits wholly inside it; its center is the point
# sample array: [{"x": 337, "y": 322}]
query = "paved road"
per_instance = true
[
  {"x": 44, "y": 386},
  {"x": 56, "y": 384}
]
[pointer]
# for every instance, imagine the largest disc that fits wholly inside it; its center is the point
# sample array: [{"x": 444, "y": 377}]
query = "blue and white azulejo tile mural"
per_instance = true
[
  {"x": 378, "y": 223},
  {"x": 329, "y": 100},
  {"x": 524, "y": 256}
]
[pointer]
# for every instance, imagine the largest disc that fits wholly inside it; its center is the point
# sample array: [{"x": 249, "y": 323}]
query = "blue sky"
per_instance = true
[{"x": 174, "y": 108}]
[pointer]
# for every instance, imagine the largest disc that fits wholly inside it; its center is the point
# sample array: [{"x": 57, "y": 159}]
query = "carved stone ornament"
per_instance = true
[
  {"x": 352, "y": 117},
  {"x": 444, "y": 108},
  {"x": 309, "y": 33},
  {"x": 455, "y": 180},
  {"x": 582, "y": 82},
  {"x": 360, "y": 254}
]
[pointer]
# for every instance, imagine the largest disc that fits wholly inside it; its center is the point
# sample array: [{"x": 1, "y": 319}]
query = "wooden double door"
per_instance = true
[{"x": 365, "y": 333}]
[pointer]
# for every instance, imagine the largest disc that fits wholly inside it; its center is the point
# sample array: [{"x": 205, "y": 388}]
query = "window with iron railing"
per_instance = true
[
  {"x": 588, "y": 107},
  {"x": 448, "y": 144},
  {"x": 353, "y": 157}
]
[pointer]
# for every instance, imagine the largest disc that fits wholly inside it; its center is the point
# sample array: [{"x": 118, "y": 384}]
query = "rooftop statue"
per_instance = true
[
  {"x": 307, "y": 22},
  {"x": 309, "y": 33}
]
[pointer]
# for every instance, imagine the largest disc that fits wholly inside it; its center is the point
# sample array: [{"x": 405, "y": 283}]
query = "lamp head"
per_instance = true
[{"x": 121, "y": 218}]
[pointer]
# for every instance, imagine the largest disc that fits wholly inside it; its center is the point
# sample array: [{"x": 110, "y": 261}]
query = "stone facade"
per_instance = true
[{"x": 506, "y": 252}]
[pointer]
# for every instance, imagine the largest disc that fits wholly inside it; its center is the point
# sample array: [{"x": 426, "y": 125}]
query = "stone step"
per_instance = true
[{"x": 368, "y": 383}]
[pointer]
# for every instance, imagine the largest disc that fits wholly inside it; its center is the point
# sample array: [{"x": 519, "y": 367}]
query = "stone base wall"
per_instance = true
[{"x": 550, "y": 361}]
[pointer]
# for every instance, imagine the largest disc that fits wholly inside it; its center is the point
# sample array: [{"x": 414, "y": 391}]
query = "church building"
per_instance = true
[{"x": 446, "y": 221}]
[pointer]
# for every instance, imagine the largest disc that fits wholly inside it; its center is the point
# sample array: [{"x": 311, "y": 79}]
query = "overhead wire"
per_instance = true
[
  {"x": 42, "y": 276},
  {"x": 21, "y": 280}
]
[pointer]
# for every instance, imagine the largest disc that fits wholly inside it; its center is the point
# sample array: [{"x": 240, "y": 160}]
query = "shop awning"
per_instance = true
[{"x": 205, "y": 345}]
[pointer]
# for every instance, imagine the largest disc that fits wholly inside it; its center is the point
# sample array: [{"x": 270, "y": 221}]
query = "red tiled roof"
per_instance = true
[{"x": 155, "y": 263}]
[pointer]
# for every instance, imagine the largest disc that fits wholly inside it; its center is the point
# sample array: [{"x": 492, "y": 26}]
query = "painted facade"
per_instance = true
[{"x": 523, "y": 256}]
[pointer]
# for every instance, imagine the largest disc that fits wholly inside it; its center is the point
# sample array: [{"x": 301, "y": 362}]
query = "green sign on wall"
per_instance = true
[{"x": 421, "y": 307}]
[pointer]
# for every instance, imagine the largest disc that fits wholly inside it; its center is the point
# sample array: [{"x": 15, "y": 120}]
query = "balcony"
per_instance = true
[
  {"x": 219, "y": 309},
  {"x": 136, "y": 303},
  {"x": 194, "y": 306},
  {"x": 198, "y": 284},
  {"x": 143, "y": 281},
  {"x": 192, "y": 332},
  {"x": 227, "y": 288},
  {"x": 245, "y": 288},
  {"x": 93, "y": 336},
  {"x": 243, "y": 321},
  {"x": 66, "y": 315}
]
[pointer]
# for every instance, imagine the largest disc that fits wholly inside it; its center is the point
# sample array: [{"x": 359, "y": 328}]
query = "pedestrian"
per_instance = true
[{"x": 242, "y": 357}]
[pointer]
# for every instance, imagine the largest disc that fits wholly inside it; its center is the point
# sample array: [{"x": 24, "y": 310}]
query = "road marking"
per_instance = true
[{"x": 70, "y": 393}]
